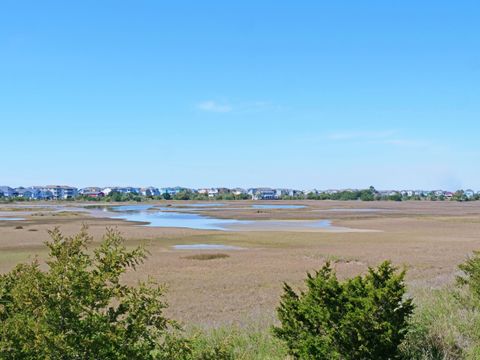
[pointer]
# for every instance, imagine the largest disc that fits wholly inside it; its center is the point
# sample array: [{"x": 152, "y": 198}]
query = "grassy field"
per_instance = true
[{"x": 206, "y": 290}]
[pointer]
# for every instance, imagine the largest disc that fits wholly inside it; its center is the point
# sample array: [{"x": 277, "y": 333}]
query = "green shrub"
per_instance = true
[
  {"x": 79, "y": 309},
  {"x": 360, "y": 318},
  {"x": 471, "y": 274}
]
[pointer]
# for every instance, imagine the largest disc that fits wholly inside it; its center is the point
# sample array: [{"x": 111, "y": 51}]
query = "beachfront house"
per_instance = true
[
  {"x": 7, "y": 191},
  {"x": 172, "y": 191},
  {"x": 90, "y": 189},
  {"x": 26, "y": 193},
  {"x": 238, "y": 191},
  {"x": 94, "y": 194},
  {"x": 150, "y": 191},
  {"x": 62, "y": 192},
  {"x": 262, "y": 194}
]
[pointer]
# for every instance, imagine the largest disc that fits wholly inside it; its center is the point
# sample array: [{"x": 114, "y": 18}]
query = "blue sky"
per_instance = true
[{"x": 304, "y": 94}]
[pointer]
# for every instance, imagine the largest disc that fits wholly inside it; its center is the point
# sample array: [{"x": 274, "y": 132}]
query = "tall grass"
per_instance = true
[
  {"x": 231, "y": 342},
  {"x": 445, "y": 326}
]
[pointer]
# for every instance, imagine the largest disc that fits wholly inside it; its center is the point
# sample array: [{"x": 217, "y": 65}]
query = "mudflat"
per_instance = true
[{"x": 240, "y": 280}]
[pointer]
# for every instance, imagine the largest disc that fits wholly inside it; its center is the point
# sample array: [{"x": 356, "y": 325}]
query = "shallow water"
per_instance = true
[
  {"x": 157, "y": 217},
  {"x": 10, "y": 219},
  {"x": 160, "y": 218}
]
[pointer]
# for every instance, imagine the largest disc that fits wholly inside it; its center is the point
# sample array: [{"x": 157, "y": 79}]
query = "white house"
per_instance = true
[
  {"x": 150, "y": 191},
  {"x": 262, "y": 194}
]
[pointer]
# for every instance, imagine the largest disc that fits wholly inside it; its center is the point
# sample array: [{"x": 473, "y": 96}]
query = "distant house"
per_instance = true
[
  {"x": 407, "y": 193},
  {"x": 61, "y": 191},
  {"x": 107, "y": 191},
  {"x": 150, "y": 191},
  {"x": 296, "y": 193},
  {"x": 121, "y": 190},
  {"x": 212, "y": 192},
  {"x": 262, "y": 194},
  {"x": 172, "y": 190},
  {"x": 128, "y": 190},
  {"x": 26, "y": 193},
  {"x": 238, "y": 191},
  {"x": 90, "y": 189},
  {"x": 7, "y": 191}
]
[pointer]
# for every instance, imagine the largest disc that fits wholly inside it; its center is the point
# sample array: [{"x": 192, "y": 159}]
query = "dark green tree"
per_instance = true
[{"x": 360, "y": 318}]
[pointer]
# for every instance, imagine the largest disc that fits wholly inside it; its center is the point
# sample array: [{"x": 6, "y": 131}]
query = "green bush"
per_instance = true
[
  {"x": 360, "y": 318},
  {"x": 79, "y": 309}
]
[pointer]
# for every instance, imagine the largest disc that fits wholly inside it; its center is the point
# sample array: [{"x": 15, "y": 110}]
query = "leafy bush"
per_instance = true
[
  {"x": 79, "y": 309},
  {"x": 360, "y": 318}
]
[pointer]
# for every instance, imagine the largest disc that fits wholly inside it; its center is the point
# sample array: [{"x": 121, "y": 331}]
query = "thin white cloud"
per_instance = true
[
  {"x": 386, "y": 137},
  {"x": 213, "y": 106},
  {"x": 361, "y": 135},
  {"x": 407, "y": 143}
]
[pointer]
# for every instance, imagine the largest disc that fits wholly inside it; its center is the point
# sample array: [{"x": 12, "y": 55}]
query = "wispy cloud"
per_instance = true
[
  {"x": 239, "y": 106},
  {"x": 213, "y": 106},
  {"x": 361, "y": 135},
  {"x": 407, "y": 143},
  {"x": 385, "y": 137}
]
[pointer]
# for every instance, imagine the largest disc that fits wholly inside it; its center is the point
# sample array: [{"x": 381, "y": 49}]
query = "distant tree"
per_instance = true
[
  {"x": 396, "y": 197},
  {"x": 367, "y": 195},
  {"x": 182, "y": 195},
  {"x": 459, "y": 195},
  {"x": 360, "y": 318}
]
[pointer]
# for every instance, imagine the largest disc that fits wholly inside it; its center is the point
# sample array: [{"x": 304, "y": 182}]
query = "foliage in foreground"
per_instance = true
[
  {"x": 360, "y": 318},
  {"x": 79, "y": 309},
  {"x": 253, "y": 342},
  {"x": 446, "y": 325}
]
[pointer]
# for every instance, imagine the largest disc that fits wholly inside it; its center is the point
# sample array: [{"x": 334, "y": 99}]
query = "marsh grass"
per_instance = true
[{"x": 206, "y": 256}]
